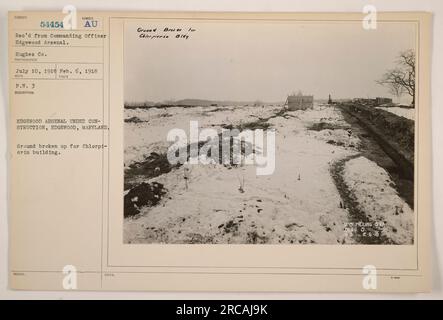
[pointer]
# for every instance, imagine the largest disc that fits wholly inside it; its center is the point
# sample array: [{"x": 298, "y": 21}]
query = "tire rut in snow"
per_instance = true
[{"x": 356, "y": 215}]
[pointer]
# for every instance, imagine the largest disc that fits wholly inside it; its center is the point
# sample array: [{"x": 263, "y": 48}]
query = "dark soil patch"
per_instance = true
[
  {"x": 253, "y": 125},
  {"x": 216, "y": 110},
  {"x": 231, "y": 227},
  {"x": 134, "y": 120},
  {"x": 197, "y": 238},
  {"x": 335, "y": 143},
  {"x": 145, "y": 194},
  {"x": 254, "y": 238},
  {"x": 293, "y": 225},
  {"x": 319, "y": 126}
]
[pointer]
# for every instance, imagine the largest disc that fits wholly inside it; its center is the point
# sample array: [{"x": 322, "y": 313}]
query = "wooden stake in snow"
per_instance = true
[
  {"x": 242, "y": 182},
  {"x": 186, "y": 175}
]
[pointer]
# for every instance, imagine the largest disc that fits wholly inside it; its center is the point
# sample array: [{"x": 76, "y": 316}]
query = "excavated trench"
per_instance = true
[{"x": 388, "y": 140}]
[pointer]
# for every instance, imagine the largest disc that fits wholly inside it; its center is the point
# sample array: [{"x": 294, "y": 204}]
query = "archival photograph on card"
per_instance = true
[{"x": 288, "y": 132}]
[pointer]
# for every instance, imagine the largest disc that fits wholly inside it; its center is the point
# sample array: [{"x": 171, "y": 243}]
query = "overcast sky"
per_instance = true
[{"x": 257, "y": 61}]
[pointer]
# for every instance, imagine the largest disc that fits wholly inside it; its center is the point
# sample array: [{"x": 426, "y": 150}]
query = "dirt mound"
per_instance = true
[
  {"x": 134, "y": 120},
  {"x": 153, "y": 166}
]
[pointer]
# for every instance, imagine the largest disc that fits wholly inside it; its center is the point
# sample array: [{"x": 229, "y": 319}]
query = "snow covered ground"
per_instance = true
[
  {"x": 408, "y": 113},
  {"x": 299, "y": 203}
]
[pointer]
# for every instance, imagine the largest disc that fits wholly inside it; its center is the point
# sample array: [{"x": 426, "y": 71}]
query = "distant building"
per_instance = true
[
  {"x": 364, "y": 100},
  {"x": 300, "y": 102},
  {"x": 381, "y": 100},
  {"x": 330, "y": 99}
]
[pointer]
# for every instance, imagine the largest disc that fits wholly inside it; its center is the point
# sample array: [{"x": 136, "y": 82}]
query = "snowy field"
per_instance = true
[
  {"x": 408, "y": 113},
  {"x": 299, "y": 203}
]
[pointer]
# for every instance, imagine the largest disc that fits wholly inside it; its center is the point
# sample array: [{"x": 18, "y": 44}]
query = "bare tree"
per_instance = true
[{"x": 401, "y": 79}]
